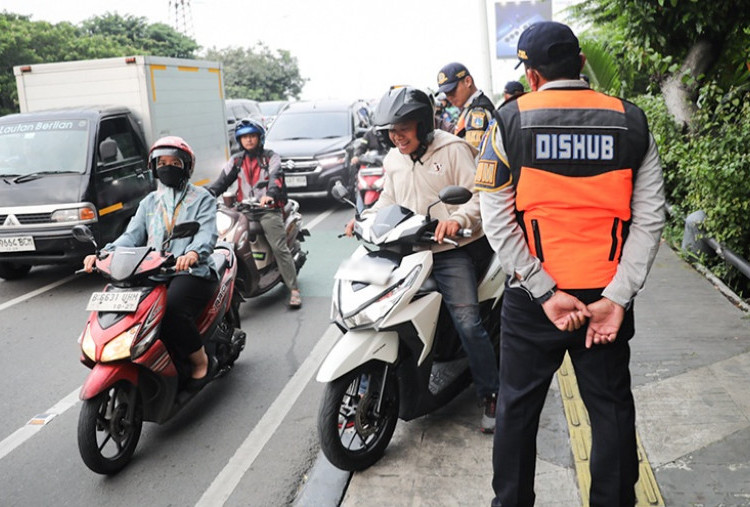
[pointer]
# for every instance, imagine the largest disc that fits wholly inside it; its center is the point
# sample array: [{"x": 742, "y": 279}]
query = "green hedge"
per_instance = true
[{"x": 708, "y": 167}]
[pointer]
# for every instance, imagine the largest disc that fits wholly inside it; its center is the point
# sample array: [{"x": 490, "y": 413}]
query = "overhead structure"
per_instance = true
[{"x": 182, "y": 16}]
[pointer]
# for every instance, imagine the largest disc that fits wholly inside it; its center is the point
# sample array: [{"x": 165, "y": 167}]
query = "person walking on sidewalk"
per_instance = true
[
  {"x": 572, "y": 198},
  {"x": 422, "y": 162},
  {"x": 476, "y": 109}
]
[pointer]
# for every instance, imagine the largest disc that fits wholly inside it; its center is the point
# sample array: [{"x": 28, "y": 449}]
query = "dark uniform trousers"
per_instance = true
[{"x": 532, "y": 349}]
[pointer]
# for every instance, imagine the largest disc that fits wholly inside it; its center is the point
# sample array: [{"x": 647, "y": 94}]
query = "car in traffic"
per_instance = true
[
  {"x": 315, "y": 140},
  {"x": 271, "y": 109},
  {"x": 237, "y": 109}
]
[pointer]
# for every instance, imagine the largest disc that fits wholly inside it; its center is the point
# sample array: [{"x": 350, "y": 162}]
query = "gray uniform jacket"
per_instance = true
[{"x": 648, "y": 217}]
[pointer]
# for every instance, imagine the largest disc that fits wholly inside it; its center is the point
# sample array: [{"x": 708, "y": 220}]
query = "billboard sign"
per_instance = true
[{"x": 512, "y": 18}]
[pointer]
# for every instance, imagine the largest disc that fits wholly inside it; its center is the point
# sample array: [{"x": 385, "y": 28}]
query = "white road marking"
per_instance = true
[
  {"x": 42, "y": 290},
  {"x": 315, "y": 221},
  {"x": 37, "y": 423},
  {"x": 225, "y": 483}
]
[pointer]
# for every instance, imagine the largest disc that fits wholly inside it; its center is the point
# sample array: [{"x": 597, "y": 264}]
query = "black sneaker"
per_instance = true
[{"x": 488, "y": 416}]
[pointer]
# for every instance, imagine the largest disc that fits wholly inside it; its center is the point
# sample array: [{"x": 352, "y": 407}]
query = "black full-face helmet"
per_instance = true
[{"x": 402, "y": 104}]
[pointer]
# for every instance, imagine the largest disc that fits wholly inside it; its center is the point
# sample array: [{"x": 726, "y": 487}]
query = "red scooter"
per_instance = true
[
  {"x": 133, "y": 376},
  {"x": 370, "y": 178}
]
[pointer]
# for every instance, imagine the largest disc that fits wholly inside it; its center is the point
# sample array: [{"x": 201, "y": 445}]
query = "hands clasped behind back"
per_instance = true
[{"x": 568, "y": 313}]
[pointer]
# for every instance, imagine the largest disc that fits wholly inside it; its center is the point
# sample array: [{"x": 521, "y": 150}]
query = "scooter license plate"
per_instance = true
[
  {"x": 295, "y": 181},
  {"x": 17, "y": 244},
  {"x": 113, "y": 302}
]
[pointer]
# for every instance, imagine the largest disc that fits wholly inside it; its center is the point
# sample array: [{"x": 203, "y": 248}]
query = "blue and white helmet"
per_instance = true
[{"x": 250, "y": 126}]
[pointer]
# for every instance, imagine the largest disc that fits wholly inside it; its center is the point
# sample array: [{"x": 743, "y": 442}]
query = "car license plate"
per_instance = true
[
  {"x": 295, "y": 181},
  {"x": 113, "y": 301},
  {"x": 17, "y": 244}
]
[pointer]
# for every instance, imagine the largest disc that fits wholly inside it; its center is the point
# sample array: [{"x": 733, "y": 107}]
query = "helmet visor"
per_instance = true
[{"x": 170, "y": 152}]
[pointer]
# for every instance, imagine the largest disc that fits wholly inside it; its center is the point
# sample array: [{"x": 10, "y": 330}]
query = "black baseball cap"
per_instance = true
[
  {"x": 513, "y": 87},
  {"x": 450, "y": 75},
  {"x": 546, "y": 42}
]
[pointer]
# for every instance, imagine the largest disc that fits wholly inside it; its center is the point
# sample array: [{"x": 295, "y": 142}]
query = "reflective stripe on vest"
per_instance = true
[{"x": 573, "y": 155}]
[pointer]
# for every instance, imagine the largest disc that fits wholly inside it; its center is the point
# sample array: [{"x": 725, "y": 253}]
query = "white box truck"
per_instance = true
[
  {"x": 77, "y": 152},
  {"x": 169, "y": 96}
]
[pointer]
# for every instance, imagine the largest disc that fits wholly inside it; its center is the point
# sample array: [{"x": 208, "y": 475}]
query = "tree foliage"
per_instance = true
[
  {"x": 255, "y": 73},
  {"x": 258, "y": 73},
  {"x": 135, "y": 32},
  {"x": 650, "y": 38}
]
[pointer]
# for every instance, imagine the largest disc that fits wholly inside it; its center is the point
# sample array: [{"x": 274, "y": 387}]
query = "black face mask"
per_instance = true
[{"x": 171, "y": 175}]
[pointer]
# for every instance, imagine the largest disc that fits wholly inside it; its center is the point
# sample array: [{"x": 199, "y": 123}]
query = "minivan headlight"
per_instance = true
[
  {"x": 332, "y": 159},
  {"x": 84, "y": 213}
]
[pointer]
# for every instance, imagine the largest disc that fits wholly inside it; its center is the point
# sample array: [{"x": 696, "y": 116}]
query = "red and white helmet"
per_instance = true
[{"x": 173, "y": 146}]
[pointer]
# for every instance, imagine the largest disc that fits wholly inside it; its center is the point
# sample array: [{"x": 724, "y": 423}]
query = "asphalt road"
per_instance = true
[{"x": 246, "y": 439}]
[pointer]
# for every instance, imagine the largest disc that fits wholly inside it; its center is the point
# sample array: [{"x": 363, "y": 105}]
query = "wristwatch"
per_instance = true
[{"x": 544, "y": 297}]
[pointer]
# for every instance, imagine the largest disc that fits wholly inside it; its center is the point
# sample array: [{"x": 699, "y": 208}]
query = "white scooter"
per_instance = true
[{"x": 400, "y": 356}]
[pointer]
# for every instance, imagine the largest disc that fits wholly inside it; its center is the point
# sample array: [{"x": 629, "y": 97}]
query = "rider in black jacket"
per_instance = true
[{"x": 253, "y": 165}]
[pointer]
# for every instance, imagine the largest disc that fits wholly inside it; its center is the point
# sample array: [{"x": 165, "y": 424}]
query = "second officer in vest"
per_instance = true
[{"x": 476, "y": 109}]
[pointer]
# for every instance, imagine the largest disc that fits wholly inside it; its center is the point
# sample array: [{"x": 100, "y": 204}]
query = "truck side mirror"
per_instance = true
[{"x": 107, "y": 151}]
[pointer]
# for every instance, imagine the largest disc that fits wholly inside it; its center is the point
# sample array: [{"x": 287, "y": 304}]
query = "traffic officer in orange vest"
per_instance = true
[
  {"x": 573, "y": 201},
  {"x": 476, "y": 109}
]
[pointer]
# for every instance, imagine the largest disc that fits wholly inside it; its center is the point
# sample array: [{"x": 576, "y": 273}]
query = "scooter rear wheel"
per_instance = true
[
  {"x": 109, "y": 428},
  {"x": 353, "y": 431}
]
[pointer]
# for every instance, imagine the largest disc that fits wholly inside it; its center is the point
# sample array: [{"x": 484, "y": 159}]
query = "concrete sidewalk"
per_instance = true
[{"x": 691, "y": 379}]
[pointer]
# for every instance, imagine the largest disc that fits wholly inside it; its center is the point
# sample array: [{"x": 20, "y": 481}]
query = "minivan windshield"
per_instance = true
[
  {"x": 43, "y": 146},
  {"x": 310, "y": 125},
  {"x": 271, "y": 107}
]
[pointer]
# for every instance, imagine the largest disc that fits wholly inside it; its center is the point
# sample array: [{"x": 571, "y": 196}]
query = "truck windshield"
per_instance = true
[
  {"x": 43, "y": 146},
  {"x": 313, "y": 125}
]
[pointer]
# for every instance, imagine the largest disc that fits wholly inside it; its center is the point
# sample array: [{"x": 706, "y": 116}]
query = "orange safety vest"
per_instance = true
[{"x": 574, "y": 155}]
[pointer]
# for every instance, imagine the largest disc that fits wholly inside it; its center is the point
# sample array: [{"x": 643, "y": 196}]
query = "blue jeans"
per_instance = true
[{"x": 456, "y": 278}]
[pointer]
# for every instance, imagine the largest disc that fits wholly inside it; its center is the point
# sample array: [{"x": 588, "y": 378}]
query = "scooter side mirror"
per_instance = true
[
  {"x": 452, "y": 194},
  {"x": 83, "y": 234},
  {"x": 339, "y": 192},
  {"x": 455, "y": 194},
  {"x": 185, "y": 230}
]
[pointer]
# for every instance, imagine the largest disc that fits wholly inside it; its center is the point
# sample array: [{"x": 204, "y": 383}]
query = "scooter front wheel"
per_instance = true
[
  {"x": 358, "y": 416},
  {"x": 109, "y": 427}
]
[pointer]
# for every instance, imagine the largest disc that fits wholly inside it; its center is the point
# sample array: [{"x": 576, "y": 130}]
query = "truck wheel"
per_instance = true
[
  {"x": 356, "y": 422},
  {"x": 13, "y": 271}
]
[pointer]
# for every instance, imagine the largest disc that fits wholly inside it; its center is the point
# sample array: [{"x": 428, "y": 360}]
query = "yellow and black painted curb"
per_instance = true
[{"x": 646, "y": 490}]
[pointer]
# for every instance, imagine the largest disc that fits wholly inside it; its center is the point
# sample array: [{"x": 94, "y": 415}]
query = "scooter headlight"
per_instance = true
[
  {"x": 88, "y": 347},
  {"x": 375, "y": 310},
  {"x": 223, "y": 223},
  {"x": 119, "y": 348}
]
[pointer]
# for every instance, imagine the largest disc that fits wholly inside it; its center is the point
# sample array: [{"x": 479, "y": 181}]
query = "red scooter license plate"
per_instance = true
[{"x": 113, "y": 302}]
